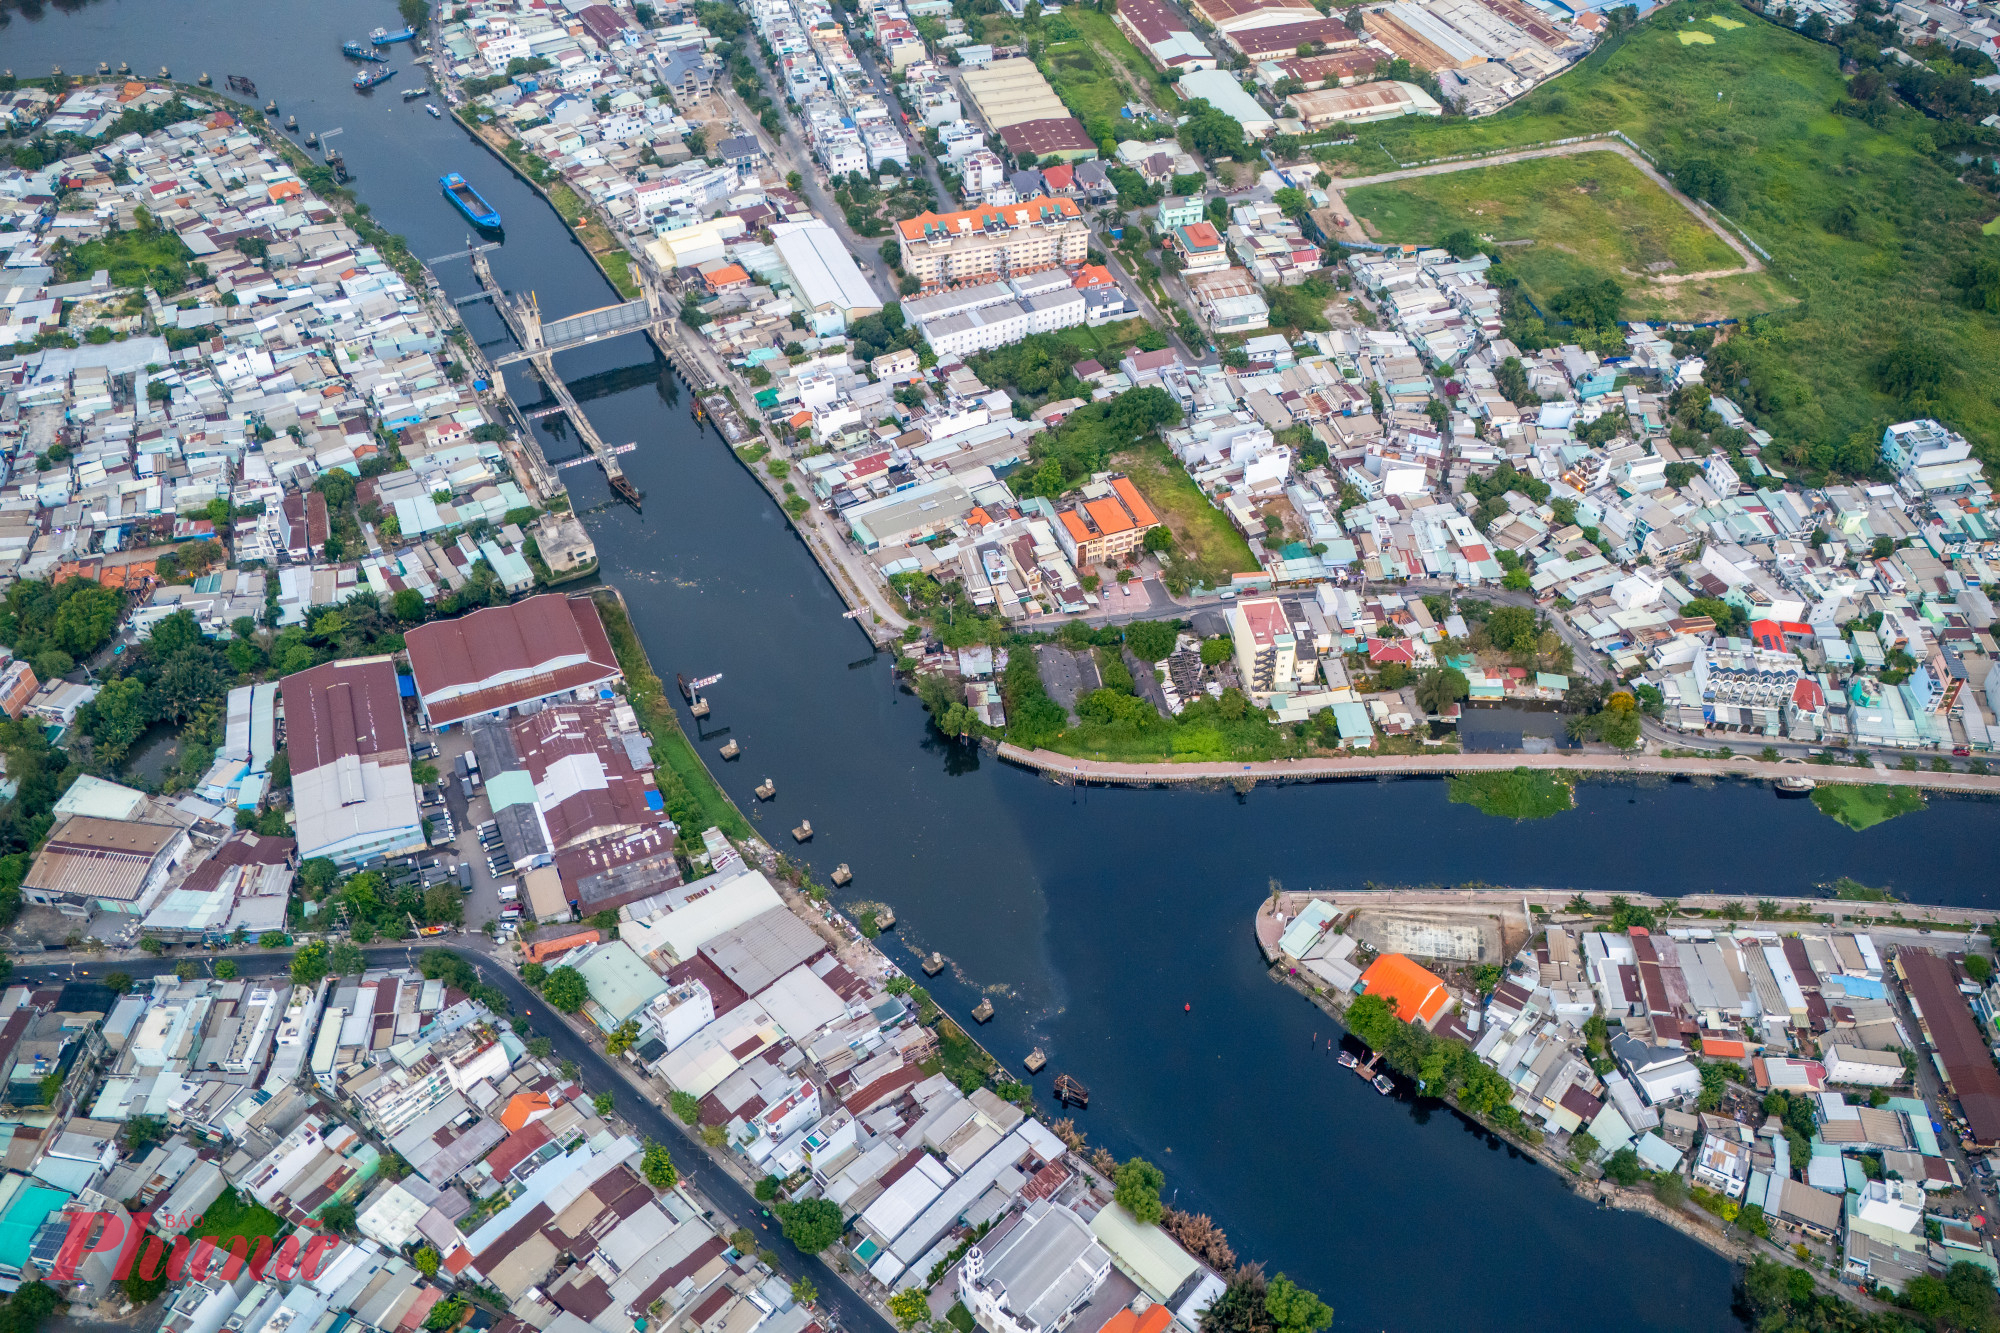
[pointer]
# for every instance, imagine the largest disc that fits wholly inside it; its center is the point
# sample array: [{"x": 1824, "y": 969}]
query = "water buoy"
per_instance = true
[{"x": 1187, "y": 1008}]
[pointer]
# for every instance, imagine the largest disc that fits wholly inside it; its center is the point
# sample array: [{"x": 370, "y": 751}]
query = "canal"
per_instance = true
[{"x": 1110, "y": 928}]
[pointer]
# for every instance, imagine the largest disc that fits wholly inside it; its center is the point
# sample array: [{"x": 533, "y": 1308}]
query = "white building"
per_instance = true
[
  {"x": 1929, "y": 457},
  {"x": 824, "y": 276},
  {"x": 1036, "y": 1275}
]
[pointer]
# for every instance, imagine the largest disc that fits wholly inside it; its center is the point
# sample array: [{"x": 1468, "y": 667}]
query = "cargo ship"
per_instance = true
[
  {"x": 383, "y": 37},
  {"x": 357, "y": 51},
  {"x": 365, "y": 79},
  {"x": 477, "y": 210}
]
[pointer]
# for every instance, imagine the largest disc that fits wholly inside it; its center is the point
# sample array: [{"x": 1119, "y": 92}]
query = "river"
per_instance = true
[{"x": 1093, "y": 918}]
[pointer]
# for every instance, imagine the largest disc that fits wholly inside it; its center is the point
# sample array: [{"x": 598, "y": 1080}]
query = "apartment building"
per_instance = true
[
  {"x": 1110, "y": 519},
  {"x": 1036, "y": 233}
]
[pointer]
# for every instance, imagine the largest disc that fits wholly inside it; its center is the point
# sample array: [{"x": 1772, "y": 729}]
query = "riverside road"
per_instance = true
[{"x": 635, "y": 1104}]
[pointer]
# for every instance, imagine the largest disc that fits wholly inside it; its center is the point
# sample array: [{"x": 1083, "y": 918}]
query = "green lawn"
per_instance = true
[
  {"x": 134, "y": 258},
  {"x": 1086, "y": 84},
  {"x": 232, "y": 1215},
  {"x": 1587, "y": 215},
  {"x": 1106, "y": 343},
  {"x": 1203, "y": 534},
  {"x": 1099, "y": 27},
  {"x": 1758, "y": 102},
  {"x": 1865, "y": 807},
  {"x": 1525, "y": 793}
]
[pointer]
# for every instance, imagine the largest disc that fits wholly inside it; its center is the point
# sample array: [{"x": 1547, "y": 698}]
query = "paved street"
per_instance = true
[{"x": 638, "y": 1103}]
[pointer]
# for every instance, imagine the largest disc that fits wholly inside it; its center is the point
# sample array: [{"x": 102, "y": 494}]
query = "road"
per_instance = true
[
  {"x": 1751, "y": 264},
  {"x": 637, "y": 1103}
]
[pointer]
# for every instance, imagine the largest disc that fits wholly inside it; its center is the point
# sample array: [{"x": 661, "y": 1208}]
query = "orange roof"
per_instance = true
[
  {"x": 1109, "y": 515},
  {"x": 543, "y": 950},
  {"x": 729, "y": 275},
  {"x": 1418, "y": 995},
  {"x": 1075, "y": 526},
  {"x": 978, "y": 518},
  {"x": 1155, "y": 1320},
  {"x": 971, "y": 220},
  {"x": 1141, "y": 512},
  {"x": 1728, "y": 1049},
  {"x": 1094, "y": 275},
  {"x": 525, "y": 1107},
  {"x": 801, "y": 418},
  {"x": 130, "y": 91},
  {"x": 459, "y": 1259},
  {"x": 286, "y": 190}
]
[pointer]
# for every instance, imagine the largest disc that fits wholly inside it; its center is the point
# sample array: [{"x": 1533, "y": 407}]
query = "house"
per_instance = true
[
  {"x": 1200, "y": 247},
  {"x": 1033, "y": 1272},
  {"x": 303, "y": 525},
  {"x": 1177, "y": 210},
  {"x": 1416, "y": 994}
]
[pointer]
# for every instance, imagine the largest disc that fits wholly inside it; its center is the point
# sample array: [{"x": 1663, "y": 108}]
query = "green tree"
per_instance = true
[
  {"x": 346, "y": 960},
  {"x": 767, "y": 1188},
  {"x": 804, "y": 1292},
  {"x": 338, "y": 1217},
  {"x": 812, "y": 1224},
  {"x": 318, "y": 873},
  {"x": 657, "y": 1165},
  {"x": 1624, "y": 1167},
  {"x": 1150, "y": 640},
  {"x": 911, "y": 1307},
  {"x": 310, "y": 963},
  {"x": 621, "y": 1038},
  {"x": 426, "y": 1260},
  {"x": 186, "y": 970},
  {"x": 566, "y": 989},
  {"x": 1293, "y": 1309},
  {"x": 408, "y": 605},
  {"x": 86, "y": 620},
  {"x": 686, "y": 1106},
  {"x": 533, "y": 974},
  {"x": 1510, "y": 626},
  {"x": 1441, "y": 687},
  {"x": 226, "y": 970},
  {"x": 602, "y": 1103},
  {"x": 1136, "y": 1189}
]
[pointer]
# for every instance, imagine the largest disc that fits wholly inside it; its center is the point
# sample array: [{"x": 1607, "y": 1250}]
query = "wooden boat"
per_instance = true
[
  {"x": 1069, "y": 1092},
  {"x": 1794, "y": 788}
]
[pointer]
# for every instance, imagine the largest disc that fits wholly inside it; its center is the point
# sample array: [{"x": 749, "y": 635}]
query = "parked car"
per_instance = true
[{"x": 1962, "y": 751}]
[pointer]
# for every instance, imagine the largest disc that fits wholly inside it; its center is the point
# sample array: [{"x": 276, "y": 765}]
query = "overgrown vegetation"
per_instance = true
[{"x": 1524, "y": 793}]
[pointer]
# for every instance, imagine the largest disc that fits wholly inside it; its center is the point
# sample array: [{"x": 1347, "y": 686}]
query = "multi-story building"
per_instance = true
[
  {"x": 1929, "y": 457},
  {"x": 1110, "y": 519},
  {"x": 1034, "y": 234},
  {"x": 1266, "y": 652}
]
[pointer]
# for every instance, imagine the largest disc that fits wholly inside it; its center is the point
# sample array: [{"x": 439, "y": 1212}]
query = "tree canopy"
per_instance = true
[
  {"x": 811, "y": 1224},
  {"x": 566, "y": 989},
  {"x": 1136, "y": 1189}
]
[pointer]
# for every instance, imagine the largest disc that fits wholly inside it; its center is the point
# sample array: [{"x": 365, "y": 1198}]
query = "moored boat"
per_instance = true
[
  {"x": 1795, "y": 787},
  {"x": 1383, "y": 1085},
  {"x": 432, "y": 108},
  {"x": 1069, "y": 1092},
  {"x": 412, "y": 94},
  {"x": 365, "y": 79},
  {"x": 477, "y": 210},
  {"x": 1348, "y": 1060},
  {"x": 359, "y": 51},
  {"x": 383, "y": 37}
]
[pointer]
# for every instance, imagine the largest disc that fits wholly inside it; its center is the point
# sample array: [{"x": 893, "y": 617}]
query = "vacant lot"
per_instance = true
[
  {"x": 1587, "y": 215},
  {"x": 1870, "y": 279},
  {"x": 1204, "y": 538}
]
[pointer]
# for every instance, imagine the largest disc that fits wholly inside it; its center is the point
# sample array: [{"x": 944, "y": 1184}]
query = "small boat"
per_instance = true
[
  {"x": 1069, "y": 1092},
  {"x": 1348, "y": 1059},
  {"x": 934, "y": 964},
  {"x": 477, "y": 210},
  {"x": 730, "y": 749},
  {"x": 412, "y": 94},
  {"x": 1795, "y": 787},
  {"x": 383, "y": 37},
  {"x": 366, "y": 79},
  {"x": 842, "y": 877},
  {"x": 1036, "y": 1061},
  {"x": 983, "y": 1013},
  {"x": 1383, "y": 1085},
  {"x": 432, "y": 108},
  {"x": 358, "y": 51},
  {"x": 804, "y": 832}
]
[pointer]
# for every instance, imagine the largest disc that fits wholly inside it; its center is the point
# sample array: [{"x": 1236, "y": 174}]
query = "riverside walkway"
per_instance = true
[{"x": 1114, "y": 773}]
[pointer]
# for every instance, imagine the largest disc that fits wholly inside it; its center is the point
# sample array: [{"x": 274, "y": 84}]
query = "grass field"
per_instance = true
[
  {"x": 1759, "y": 102},
  {"x": 1106, "y": 343},
  {"x": 1587, "y": 215},
  {"x": 232, "y": 1215},
  {"x": 1203, "y": 535},
  {"x": 1865, "y": 807}
]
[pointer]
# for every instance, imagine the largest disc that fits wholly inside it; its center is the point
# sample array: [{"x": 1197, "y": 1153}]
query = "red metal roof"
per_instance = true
[{"x": 506, "y": 655}]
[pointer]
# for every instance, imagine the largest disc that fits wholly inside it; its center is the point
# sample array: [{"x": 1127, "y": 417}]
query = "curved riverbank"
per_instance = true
[{"x": 1331, "y": 768}]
